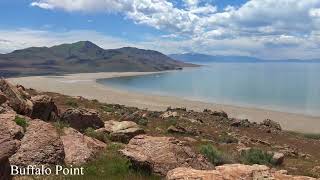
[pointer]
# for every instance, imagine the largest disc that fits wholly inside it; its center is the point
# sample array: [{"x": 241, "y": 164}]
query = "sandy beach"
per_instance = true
[{"x": 85, "y": 85}]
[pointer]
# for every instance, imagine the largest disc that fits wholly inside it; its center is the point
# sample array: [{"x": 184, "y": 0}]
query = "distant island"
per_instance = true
[
  {"x": 205, "y": 58},
  {"x": 84, "y": 57}
]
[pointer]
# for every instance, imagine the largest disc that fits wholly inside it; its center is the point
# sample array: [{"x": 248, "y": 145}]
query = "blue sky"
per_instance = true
[{"x": 262, "y": 28}]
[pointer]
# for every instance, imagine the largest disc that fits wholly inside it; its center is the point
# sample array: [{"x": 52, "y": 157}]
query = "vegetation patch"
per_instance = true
[
  {"x": 215, "y": 156},
  {"x": 107, "y": 108},
  {"x": 226, "y": 138},
  {"x": 72, "y": 103},
  {"x": 143, "y": 122},
  {"x": 21, "y": 122},
  {"x": 256, "y": 156},
  {"x": 97, "y": 135},
  {"x": 111, "y": 165},
  {"x": 172, "y": 121},
  {"x": 59, "y": 125}
]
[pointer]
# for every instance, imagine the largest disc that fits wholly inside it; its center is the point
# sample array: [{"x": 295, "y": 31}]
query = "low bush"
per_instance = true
[
  {"x": 226, "y": 138},
  {"x": 20, "y": 121},
  {"x": 215, "y": 156},
  {"x": 143, "y": 122},
  {"x": 72, "y": 103},
  {"x": 256, "y": 156}
]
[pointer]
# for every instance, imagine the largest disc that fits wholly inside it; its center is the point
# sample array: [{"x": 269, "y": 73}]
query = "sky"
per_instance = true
[{"x": 270, "y": 29}]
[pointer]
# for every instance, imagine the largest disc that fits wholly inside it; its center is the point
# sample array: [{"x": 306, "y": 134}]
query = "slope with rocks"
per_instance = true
[{"x": 176, "y": 144}]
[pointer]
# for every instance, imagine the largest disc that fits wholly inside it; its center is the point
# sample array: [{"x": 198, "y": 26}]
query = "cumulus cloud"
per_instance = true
[{"x": 262, "y": 25}]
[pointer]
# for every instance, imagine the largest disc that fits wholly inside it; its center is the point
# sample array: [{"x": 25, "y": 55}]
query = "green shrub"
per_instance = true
[
  {"x": 172, "y": 121},
  {"x": 97, "y": 135},
  {"x": 107, "y": 108},
  {"x": 212, "y": 154},
  {"x": 312, "y": 136},
  {"x": 72, "y": 103},
  {"x": 226, "y": 138},
  {"x": 256, "y": 156},
  {"x": 21, "y": 122},
  {"x": 143, "y": 122}
]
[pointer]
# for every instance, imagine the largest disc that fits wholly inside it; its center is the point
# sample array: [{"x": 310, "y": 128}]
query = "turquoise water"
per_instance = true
[{"x": 287, "y": 87}]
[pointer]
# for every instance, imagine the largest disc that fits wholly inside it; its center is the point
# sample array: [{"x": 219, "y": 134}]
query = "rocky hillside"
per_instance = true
[
  {"x": 83, "y": 56},
  {"x": 111, "y": 141}
]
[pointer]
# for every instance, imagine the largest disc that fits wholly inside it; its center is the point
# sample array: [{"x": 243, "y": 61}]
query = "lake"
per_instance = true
[{"x": 286, "y": 87}]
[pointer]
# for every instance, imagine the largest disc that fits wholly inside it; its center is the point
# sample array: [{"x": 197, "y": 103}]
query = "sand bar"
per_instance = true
[{"x": 85, "y": 85}]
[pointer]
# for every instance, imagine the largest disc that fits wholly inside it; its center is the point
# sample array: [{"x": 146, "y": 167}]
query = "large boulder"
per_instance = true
[
  {"x": 82, "y": 118},
  {"x": 121, "y": 131},
  {"x": 161, "y": 154},
  {"x": 41, "y": 145},
  {"x": 10, "y": 133},
  {"x": 79, "y": 148},
  {"x": 17, "y": 101},
  {"x": 44, "y": 108},
  {"x": 3, "y": 98},
  {"x": 232, "y": 172}
]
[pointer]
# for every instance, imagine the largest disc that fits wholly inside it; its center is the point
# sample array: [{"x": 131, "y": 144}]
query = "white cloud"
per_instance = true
[{"x": 257, "y": 27}]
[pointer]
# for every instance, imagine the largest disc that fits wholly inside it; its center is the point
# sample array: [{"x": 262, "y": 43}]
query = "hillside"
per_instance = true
[
  {"x": 83, "y": 56},
  {"x": 112, "y": 141},
  {"x": 204, "y": 58}
]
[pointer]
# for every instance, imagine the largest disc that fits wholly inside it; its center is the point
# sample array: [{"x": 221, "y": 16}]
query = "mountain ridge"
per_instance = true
[
  {"x": 205, "y": 58},
  {"x": 84, "y": 57}
]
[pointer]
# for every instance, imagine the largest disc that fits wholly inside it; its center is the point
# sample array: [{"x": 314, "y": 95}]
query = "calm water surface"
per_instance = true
[{"x": 288, "y": 87}]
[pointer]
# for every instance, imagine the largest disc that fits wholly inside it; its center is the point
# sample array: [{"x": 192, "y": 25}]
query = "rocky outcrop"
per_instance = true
[
  {"x": 271, "y": 124},
  {"x": 240, "y": 123},
  {"x": 44, "y": 108},
  {"x": 3, "y": 98},
  {"x": 10, "y": 133},
  {"x": 79, "y": 148},
  {"x": 232, "y": 172},
  {"x": 82, "y": 118},
  {"x": 121, "y": 131},
  {"x": 41, "y": 145},
  {"x": 277, "y": 158},
  {"x": 16, "y": 100},
  {"x": 169, "y": 114},
  {"x": 161, "y": 154}
]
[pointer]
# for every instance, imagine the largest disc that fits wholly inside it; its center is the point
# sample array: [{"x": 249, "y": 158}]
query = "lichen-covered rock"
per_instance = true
[
  {"x": 122, "y": 131},
  {"x": 16, "y": 100},
  {"x": 44, "y": 108},
  {"x": 79, "y": 148},
  {"x": 161, "y": 154},
  {"x": 232, "y": 172},
  {"x": 41, "y": 145},
  {"x": 271, "y": 124},
  {"x": 82, "y": 118}
]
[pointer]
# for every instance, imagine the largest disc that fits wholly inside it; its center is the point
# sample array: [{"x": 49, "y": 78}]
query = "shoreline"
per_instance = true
[{"x": 84, "y": 84}]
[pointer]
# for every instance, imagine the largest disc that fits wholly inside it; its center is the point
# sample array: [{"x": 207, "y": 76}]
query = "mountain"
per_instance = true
[
  {"x": 204, "y": 58},
  {"x": 82, "y": 57}
]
